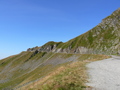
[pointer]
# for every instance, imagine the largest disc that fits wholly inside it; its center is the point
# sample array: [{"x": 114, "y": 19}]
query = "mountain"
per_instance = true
[
  {"x": 58, "y": 65},
  {"x": 102, "y": 39}
]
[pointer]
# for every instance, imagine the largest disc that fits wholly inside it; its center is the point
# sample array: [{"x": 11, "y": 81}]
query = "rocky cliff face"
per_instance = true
[{"x": 102, "y": 39}]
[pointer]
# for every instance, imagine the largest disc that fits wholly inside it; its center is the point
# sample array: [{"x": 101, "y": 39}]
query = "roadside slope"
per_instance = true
[
  {"x": 68, "y": 76},
  {"x": 105, "y": 74}
]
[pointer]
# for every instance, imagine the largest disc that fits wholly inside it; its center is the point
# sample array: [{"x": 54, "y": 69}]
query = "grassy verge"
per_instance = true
[{"x": 69, "y": 76}]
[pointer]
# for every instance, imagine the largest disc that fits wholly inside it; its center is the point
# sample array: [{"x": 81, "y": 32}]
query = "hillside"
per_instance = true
[
  {"x": 39, "y": 63},
  {"x": 27, "y": 68},
  {"x": 102, "y": 39}
]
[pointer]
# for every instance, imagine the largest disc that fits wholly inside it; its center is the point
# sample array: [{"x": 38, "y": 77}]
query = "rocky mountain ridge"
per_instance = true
[{"x": 102, "y": 39}]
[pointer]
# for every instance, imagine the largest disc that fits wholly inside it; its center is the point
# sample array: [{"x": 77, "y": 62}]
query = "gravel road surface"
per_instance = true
[{"x": 104, "y": 74}]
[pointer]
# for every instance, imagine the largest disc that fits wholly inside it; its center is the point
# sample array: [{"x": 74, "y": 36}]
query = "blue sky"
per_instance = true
[{"x": 29, "y": 23}]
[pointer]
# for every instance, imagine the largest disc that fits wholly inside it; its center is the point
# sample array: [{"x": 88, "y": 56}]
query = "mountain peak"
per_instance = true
[
  {"x": 117, "y": 12},
  {"x": 118, "y": 9}
]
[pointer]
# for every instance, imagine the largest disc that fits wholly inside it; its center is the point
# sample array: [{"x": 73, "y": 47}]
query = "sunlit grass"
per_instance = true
[{"x": 69, "y": 76}]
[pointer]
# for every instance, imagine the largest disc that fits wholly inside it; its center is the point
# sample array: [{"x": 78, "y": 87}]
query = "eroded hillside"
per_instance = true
[{"x": 28, "y": 67}]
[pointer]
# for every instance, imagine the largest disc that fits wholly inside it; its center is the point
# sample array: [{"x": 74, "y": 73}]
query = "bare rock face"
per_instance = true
[{"x": 102, "y": 39}]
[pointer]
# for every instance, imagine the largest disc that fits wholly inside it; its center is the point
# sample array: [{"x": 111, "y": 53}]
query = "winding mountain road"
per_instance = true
[{"x": 104, "y": 74}]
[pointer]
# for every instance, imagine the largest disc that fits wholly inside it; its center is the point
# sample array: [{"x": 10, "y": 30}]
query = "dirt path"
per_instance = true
[{"x": 105, "y": 74}]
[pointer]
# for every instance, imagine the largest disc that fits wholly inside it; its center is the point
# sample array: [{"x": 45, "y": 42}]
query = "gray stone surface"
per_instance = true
[{"x": 105, "y": 74}]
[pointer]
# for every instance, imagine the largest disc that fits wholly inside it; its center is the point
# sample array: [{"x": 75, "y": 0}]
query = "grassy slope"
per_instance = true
[
  {"x": 15, "y": 66},
  {"x": 101, "y": 36},
  {"x": 27, "y": 67},
  {"x": 67, "y": 76}
]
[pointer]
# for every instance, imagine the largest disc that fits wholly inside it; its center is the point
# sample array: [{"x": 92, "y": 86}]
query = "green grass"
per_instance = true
[
  {"x": 68, "y": 76},
  {"x": 21, "y": 76}
]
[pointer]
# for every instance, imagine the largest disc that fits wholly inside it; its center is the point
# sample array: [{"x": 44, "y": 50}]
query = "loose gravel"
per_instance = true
[{"x": 104, "y": 74}]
